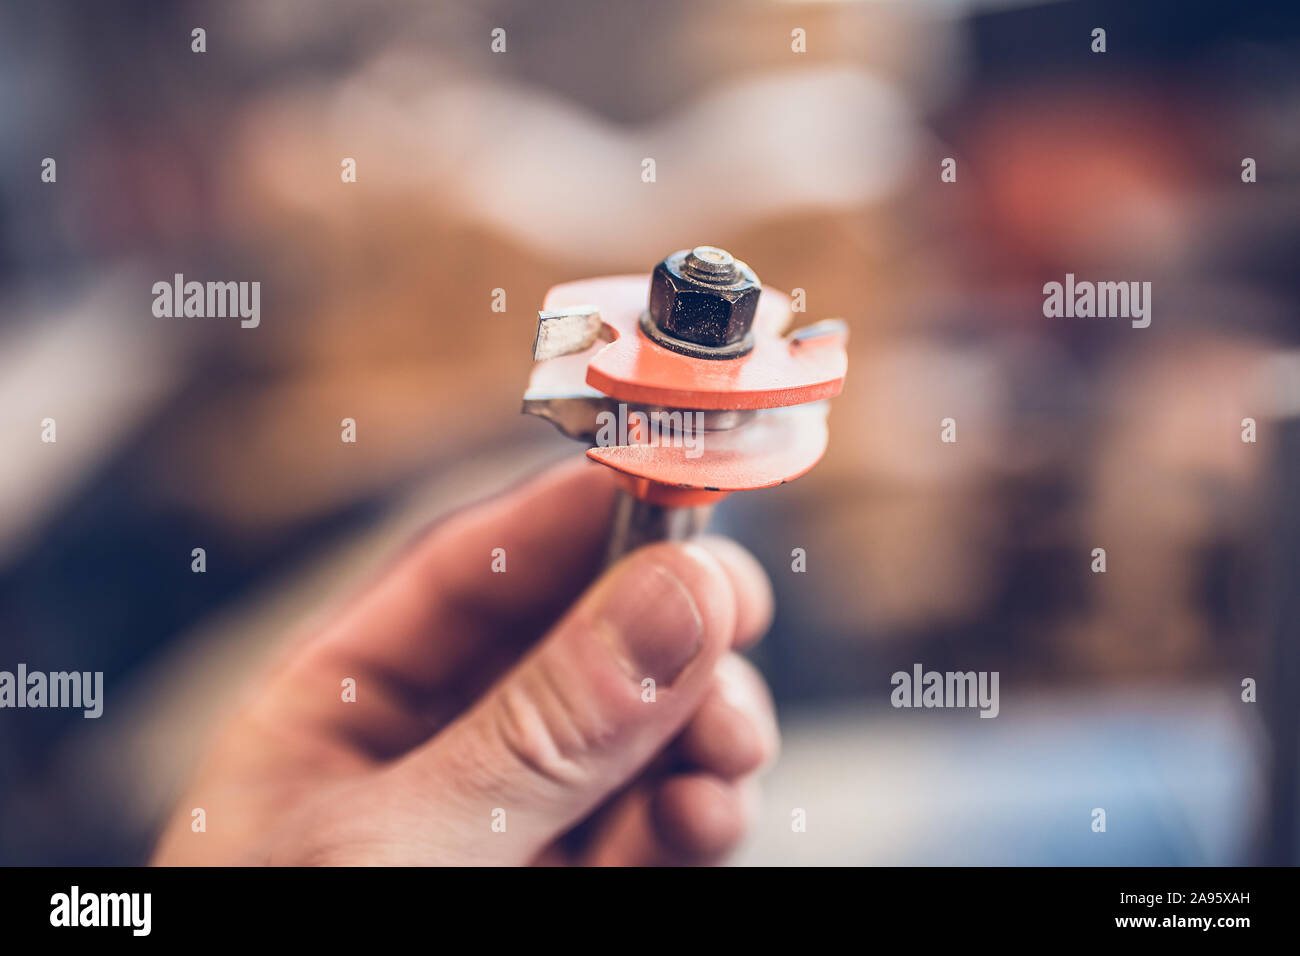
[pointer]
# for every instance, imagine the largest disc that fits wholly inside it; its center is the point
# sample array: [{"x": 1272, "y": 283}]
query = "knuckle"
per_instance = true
[{"x": 545, "y": 730}]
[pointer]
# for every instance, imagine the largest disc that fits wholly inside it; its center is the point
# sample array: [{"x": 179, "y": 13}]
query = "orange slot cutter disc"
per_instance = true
[{"x": 692, "y": 391}]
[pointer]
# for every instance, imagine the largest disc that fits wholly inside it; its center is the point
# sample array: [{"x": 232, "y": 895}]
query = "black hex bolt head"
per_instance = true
[{"x": 703, "y": 302}]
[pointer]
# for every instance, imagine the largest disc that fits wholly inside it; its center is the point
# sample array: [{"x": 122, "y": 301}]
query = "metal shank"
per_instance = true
[{"x": 638, "y": 522}]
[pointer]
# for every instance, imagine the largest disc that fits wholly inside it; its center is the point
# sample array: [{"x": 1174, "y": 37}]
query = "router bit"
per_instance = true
[{"x": 688, "y": 393}]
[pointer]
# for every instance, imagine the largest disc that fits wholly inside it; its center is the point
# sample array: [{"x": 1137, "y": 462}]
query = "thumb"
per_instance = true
[{"x": 584, "y": 712}]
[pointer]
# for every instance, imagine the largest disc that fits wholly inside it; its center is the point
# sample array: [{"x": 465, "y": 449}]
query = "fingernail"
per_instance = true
[{"x": 655, "y": 620}]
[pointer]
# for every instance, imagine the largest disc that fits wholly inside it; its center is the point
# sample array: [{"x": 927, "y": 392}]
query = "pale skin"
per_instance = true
[{"x": 514, "y": 697}]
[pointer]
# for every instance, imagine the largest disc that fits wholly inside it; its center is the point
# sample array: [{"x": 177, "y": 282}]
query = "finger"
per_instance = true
[
  {"x": 703, "y": 818},
  {"x": 694, "y": 818},
  {"x": 513, "y": 560},
  {"x": 754, "y": 616},
  {"x": 441, "y": 611},
  {"x": 583, "y": 713},
  {"x": 734, "y": 733}
]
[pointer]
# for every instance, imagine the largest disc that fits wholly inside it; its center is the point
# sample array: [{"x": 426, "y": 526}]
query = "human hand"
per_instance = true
[{"x": 514, "y": 699}]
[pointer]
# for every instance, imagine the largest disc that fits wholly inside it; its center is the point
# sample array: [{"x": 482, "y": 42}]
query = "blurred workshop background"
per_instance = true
[{"x": 478, "y": 171}]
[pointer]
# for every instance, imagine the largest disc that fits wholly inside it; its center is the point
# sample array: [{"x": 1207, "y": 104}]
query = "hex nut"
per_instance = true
[{"x": 709, "y": 302}]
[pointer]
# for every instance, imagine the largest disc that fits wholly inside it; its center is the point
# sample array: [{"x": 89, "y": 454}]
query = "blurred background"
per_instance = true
[{"x": 518, "y": 170}]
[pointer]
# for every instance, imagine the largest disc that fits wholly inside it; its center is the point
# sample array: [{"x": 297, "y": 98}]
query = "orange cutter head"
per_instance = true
[{"x": 683, "y": 429}]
